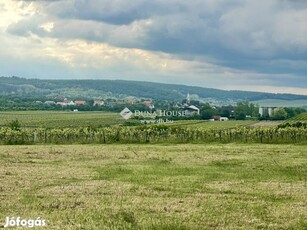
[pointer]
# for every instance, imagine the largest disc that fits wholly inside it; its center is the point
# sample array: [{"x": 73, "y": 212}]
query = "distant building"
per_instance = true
[
  {"x": 149, "y": 104},
  {"x": 224, "y": 118},
  {"x": 266, "y": 111},
  {"x": 80, "y": 102},
  {"x": 65, "y": 103},
  {"x": 70, "y": 103},
  {"x": 188, "y": 98},
  {"x": 131, "y": 101},
  {"x": 219, "y": 118},
  {"x": 61, "y": 103},
  {"x": 50, "y": 102},
  {"x": 216, "y": 118},
  {"x": 98, "y": 103},
  {"x": 191, "y": 110}
]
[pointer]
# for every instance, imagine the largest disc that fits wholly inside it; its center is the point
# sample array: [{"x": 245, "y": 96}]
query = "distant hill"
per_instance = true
[
  {"x": 281, "y": 103},
  {"x": 138, "y": 89}
]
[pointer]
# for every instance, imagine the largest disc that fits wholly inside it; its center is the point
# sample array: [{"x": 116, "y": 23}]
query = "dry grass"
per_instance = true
[{"x": 156, "y": 186}]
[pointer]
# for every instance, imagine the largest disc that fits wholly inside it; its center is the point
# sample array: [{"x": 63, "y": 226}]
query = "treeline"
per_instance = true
[
  {"x": 156, "y": 91},
  {"x": 35, "y": 103},
  {"x": 247, "y": 110},
  {"x": 153, "y": 134},
  {"x": 283, "y": 113}
]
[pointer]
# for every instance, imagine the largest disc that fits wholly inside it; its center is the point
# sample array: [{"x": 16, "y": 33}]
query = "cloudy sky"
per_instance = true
[{"x": 238, "y": 44}]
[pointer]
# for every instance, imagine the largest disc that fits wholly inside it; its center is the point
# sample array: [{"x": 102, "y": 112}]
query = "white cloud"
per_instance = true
[{"x": 48, "y": 27}]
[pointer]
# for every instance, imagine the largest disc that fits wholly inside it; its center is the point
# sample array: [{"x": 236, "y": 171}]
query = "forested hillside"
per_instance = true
[{"x": 120, "y": 88}]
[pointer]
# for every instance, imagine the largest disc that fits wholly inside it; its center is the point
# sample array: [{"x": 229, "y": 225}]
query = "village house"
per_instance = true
[
  {"x": 80, "y": 102},
  {"x": 219, "y": 118},
  {"x": 224, "y": 118},
  {"x": 148, "y": 103},
  {"x": 98, "y": 103},
  {"x": 70, "y": 103},
  {"x": 191, "y": 110},
  {"x": 61, "y": 103},
  {"x": 131, "y": 101},
  {"x": 215, "y": 118},
  {"x": 50, "y": 102}
]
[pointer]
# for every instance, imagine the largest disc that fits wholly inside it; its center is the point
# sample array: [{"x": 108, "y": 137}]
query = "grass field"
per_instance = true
[
  {"x": 59, "y": 119},
  {"x": 54, "y": 119},
  {"x": 156, "y": 186}
]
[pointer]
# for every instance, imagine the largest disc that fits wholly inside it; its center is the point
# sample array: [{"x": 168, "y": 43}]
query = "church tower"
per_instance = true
[{"x": 188, "y": 99}]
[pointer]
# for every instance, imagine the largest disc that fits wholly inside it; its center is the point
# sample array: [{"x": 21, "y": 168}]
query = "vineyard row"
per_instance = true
[{"x": 276, "y": 135}]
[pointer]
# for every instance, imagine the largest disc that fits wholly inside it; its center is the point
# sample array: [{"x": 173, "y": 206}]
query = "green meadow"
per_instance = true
[
  {"x": 59, "y": 119},
  {"x": 184, "y": 186},
  {"x": 69, "y": 119}
]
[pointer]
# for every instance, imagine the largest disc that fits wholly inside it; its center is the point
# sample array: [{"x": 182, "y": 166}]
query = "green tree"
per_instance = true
[
  {"x": 207, "y": 113},
  {"x": 240, "y": 116},
  {"x": 279, "y": 114},
  {"x": 291, "y": 112},
  {"x": 225, "y": 113},
  {"x": 245, "y": 108}
]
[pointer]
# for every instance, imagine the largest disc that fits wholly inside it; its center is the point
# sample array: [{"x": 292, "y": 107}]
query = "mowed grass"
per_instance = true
[
  {"x": 60, "y": 119},
  {"x": 156, "y": 186}
]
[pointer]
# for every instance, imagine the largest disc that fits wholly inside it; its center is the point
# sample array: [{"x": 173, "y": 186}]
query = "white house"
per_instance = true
[
  {"x": 50, "y": 102},
  {"x": 191, "y": 110},
  {"x": 224, "y": 118},
  {"x": 70, "y": 103},
  {"x": 61, "y": 103},
  {"x": 98, "y": 103}
]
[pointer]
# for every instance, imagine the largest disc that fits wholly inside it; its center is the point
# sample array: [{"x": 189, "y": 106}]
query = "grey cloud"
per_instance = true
[
  {"x": 24, "y": 27},
  {"x": 243, "y": 34},
  {"x": 113, "y": 12}
]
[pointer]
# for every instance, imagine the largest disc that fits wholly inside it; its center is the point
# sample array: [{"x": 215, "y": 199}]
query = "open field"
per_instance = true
[
  {"x": 60, "y": 119},
  {"x": 156, "y": 186},
  {"x": 55, "y": 119}
]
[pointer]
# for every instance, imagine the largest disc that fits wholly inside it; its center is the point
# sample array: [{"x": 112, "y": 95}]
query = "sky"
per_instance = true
[{"x": 239, "y": 44}]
